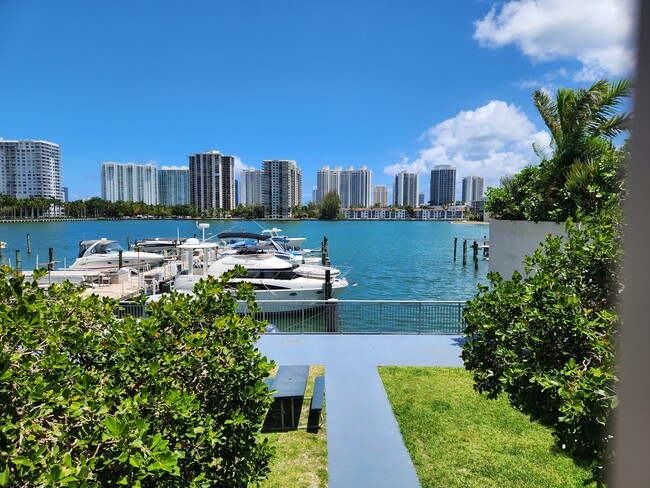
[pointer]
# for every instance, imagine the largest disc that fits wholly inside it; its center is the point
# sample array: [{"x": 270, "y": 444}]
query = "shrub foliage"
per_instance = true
[
  {"x": 548, "y": 341},
  {"x": 86, "y": 399}
]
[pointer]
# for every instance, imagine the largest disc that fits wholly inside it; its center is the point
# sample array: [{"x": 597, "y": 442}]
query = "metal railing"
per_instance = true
[{"x": 351, "y": 316}]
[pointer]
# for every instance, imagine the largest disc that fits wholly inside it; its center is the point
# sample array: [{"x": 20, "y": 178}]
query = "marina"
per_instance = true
[{"x": 387, "y": 260}]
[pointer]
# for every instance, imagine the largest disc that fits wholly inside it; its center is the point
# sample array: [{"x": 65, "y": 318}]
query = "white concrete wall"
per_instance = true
[{"x": 511, "y": 240}]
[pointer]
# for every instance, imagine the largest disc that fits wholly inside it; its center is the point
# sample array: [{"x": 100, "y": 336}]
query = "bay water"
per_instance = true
[{"x": 384, "y": 260}]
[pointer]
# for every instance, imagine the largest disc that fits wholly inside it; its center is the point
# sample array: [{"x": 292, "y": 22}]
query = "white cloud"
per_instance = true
[
  {"x": 491, "y": 141},
  {"x": 597, "y": 33},
  {"x": 239, "y": 165}
]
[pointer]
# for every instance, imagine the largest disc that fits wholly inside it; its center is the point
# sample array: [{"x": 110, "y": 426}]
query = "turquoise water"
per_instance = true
[{"x": 388, "y": 260}]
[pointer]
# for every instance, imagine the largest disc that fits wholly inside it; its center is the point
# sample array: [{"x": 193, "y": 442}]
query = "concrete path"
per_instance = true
[{"x": 365, "y": 447}]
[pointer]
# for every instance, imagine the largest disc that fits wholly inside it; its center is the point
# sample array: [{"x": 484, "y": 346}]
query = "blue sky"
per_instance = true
[{"x": 386, "y": 84}]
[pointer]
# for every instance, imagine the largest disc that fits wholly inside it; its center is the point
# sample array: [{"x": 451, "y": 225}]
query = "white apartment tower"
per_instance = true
[
  {"x": 405, "y": 192},
  {"x": 354, "y": 187},
  {"x": 250, "y": 187},
  {"x": 380, "y": 196},
  {"x": 129, "y": 182},
  {"x": 281, "y": 188},
  {"x": 30, "y": 168},
  {"x": 212, "y": 181},
  {"x": 473, "y": 189},
  {"x": 443, "y": 185},
  {"x": 174, "y": 185}
]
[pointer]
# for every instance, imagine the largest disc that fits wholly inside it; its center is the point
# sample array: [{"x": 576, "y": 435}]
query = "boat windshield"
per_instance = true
[{"x": 107, "y": 248}]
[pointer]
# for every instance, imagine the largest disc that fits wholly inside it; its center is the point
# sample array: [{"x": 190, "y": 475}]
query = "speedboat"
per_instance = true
[
  {"x": 272, "y": 278},
  {"x": 249, "y": 243},
  {"x": 293, "y": 242},
  {"x": 105, "y": 254}
]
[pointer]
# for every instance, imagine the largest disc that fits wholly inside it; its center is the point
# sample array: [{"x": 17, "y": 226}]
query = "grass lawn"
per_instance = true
[
  {"x": 457, "y": 437},
  {"x": 300, "y": 457}
]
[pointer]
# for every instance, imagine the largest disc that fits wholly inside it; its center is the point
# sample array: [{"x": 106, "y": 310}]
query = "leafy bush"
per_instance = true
[
  {"x": 548, "y": 341},
  {"x": 175, "y": 399}
]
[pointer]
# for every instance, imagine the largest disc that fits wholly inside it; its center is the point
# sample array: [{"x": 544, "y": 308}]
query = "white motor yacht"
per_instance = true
[
  {"x": 272, "y": 278},
  {"x": 104, "y": 254}
]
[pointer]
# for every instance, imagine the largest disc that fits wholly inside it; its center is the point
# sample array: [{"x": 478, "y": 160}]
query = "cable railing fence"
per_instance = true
[{"x": 350, "y": 316}]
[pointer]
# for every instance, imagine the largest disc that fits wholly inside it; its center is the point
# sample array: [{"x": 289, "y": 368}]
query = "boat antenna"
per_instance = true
[{"x": 202, "y": 226}]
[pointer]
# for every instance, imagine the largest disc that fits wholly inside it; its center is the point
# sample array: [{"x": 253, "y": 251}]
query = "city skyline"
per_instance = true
[{"x": 317, "y": 84}]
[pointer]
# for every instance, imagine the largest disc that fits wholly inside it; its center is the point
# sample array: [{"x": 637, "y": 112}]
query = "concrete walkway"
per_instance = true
[{"x": 365, "y": 447}]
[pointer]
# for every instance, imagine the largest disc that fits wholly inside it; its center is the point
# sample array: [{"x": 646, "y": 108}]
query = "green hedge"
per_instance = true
[{"x": 86, "y": 399}]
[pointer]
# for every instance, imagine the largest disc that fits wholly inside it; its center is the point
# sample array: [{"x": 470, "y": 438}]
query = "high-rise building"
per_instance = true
[
  {"x": 405, "y": 192},
  {"x": 30, "y": 168},
  {"x": 281, "y": 188},
  {"x": 505, "y": 179},
  {"x": 129, "y": 182},
  {"x": 443, "y": 185},
  {"x": 174, "y": 185},
  {"x": 354, "y": 187},
  {"x": 251, "y": 187},
  {"x": 212, "y": 181},
  {"x": 380, "y": 196},
  {"x": 473, "y": 188},
  {"x": 420, "y": 199}
]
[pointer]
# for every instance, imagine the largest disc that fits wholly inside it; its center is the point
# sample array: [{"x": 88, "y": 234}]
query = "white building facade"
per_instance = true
[
  {"x": 405, "y": 191},
  {"x": 354, "y": 187},
  {"x": 129, "y": 182},
  {"x": 30, "y": 168},
  {"x": 250, "y": 187},
  {"x": 473, "y": 189}
]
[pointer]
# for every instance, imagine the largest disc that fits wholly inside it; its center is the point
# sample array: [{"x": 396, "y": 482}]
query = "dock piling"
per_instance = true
[
  {"x": 50, "y": 262},
  {"x": 455, "y": 245},
  {"x": 19, "y": 262},
  {"x": 475, "y": 254},
  {"x": 29, "y": 244},
  {"x": 464, "y": 252}
]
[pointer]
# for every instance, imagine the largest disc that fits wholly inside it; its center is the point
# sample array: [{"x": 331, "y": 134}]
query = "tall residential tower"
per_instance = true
[
  {"x": 354, "y": 187},
  {"x": 212, "y": 181},
  {"x": 30, "y": 168},
  {"x": 250, "y": 187},
  {"x": 473, "y": 189},
  {"x": 443, "y": 185},
  {"x": 174, "y": 185},
  {"x": 281, "y": 188},
  {"x": 129, "y": 182},
  {"x": 405, "y": 191}
]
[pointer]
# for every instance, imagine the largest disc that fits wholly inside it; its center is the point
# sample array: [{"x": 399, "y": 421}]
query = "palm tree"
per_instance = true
[
  {"x": 578, "y": 119},
  {"x": 582, "y": 124}
]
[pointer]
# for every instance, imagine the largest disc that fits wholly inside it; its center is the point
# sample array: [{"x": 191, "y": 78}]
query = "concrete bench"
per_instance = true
[{"x": 316, "y": 405}]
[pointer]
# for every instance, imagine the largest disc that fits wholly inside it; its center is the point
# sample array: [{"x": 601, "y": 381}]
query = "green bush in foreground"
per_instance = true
[
  {"x": 176, "y": 399},
  {"x": 548, "y": 341}
]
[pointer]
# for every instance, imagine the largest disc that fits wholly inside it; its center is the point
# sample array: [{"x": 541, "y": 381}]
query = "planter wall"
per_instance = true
[{"x": 511, "y": 240}]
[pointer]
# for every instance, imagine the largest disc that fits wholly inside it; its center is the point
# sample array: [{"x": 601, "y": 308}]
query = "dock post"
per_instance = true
[
  {"x": 332, "y": 315},
  {"x": 19, "y": 262},
  {"x": 455, "y": 245},
  {"x": 50, "y": 262},
  {"x": 119, "y": 259},
  {"x": 464, "y": 252},
  {"x": 475, "y": 254},
  {"x": 29, "y": 244},
  {"x": 0, "y": 254},
  {"x": 328, "y": 284},
  {"x": 128, "y": 243},
  {"x": 325, "y": 260}
]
